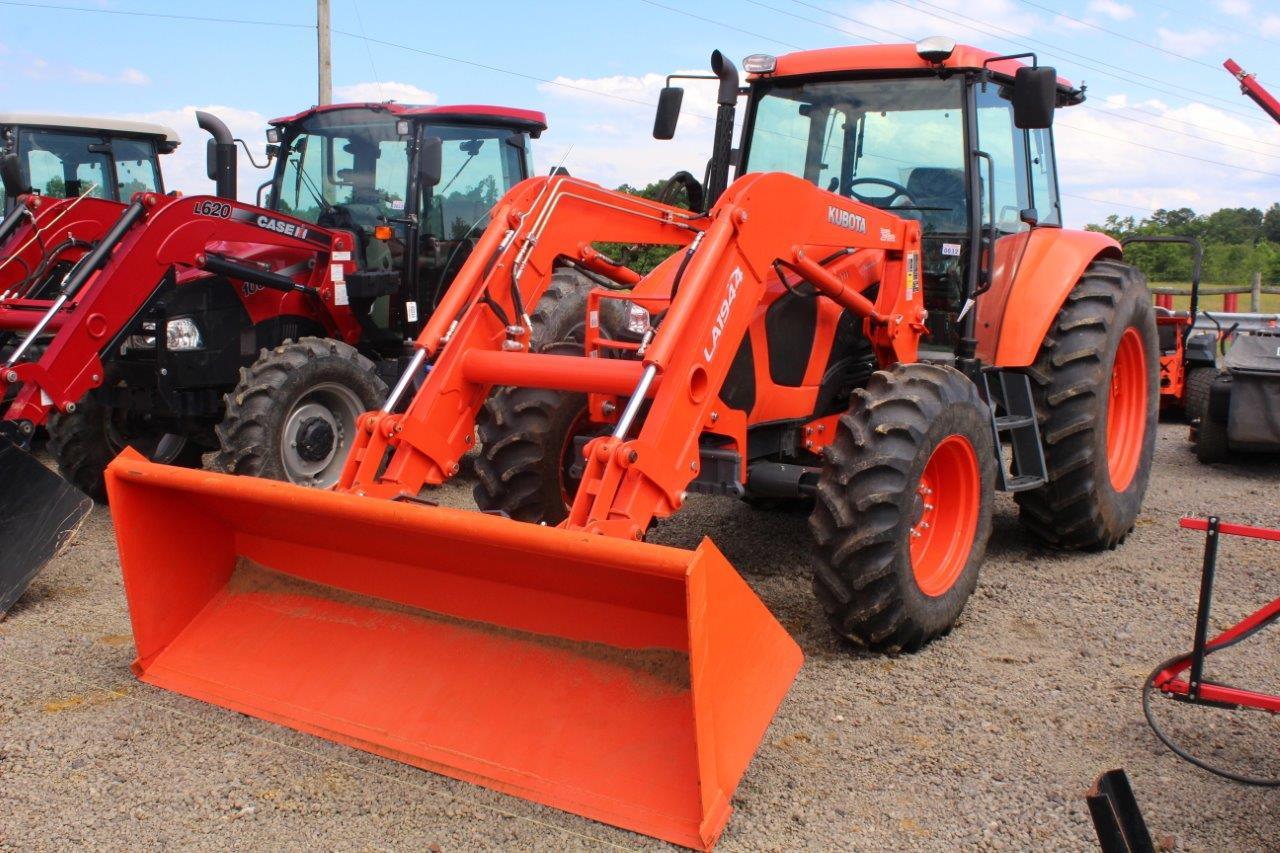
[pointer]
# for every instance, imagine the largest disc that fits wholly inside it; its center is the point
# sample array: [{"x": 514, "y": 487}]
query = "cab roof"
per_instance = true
[
  {"x": 166, "y": 136},
  {"x": 896, "y": 57},
  {"x": 530, "y": 120}
]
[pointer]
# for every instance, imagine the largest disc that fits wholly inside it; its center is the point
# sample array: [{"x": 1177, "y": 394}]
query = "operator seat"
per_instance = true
[{"x": 934, "y": 187}]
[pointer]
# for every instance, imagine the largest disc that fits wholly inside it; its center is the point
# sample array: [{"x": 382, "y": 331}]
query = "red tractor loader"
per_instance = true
[
  {"x": 881, "y": 300},
  {"x": 257, "y": 334}
]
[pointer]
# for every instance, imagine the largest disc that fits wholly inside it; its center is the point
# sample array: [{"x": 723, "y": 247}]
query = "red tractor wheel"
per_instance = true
[
  {"x": 903, "y": 508},
  {"x": 1096, "y": 387}
]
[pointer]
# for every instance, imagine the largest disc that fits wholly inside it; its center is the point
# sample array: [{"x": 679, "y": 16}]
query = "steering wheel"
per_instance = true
[{"x": 899, "y": 191}]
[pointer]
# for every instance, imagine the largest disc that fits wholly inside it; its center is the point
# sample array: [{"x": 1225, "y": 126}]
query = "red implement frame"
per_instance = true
[
  {"x": 1194, "y": 687},
  {"x": 1250, "y": 86}
]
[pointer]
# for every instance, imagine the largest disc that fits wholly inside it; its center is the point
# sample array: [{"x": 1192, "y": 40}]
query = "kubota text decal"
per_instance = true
[{"x": 731, "y": 293}]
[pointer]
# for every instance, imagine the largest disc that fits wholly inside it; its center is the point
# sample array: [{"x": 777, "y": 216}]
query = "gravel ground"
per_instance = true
[{"x": 987, "y": 739}]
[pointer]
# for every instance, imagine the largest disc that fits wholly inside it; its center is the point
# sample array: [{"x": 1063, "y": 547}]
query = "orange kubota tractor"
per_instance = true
[{"x": 882, "y": 299}]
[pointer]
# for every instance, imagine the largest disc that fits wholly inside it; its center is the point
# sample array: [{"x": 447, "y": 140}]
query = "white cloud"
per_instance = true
[
  {"x": 38, "y": 68},
  {"x": 609, "y": 121},
  {"x": 184, "y": 169},
  {"x": 377, "y": 91},
  {"x": 1096, "y": 159},
  {"x": 1236, "y": 8},
  {"x": 1189, "y": 43},
  {"x": 134, "y": 77},
  {"x": 920, "y": 22},
  {"x": 1112, "y": 9}
]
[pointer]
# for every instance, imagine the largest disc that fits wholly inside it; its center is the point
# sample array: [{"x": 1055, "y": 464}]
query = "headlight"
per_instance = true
[
  {"x": 637, "y": 319},
  {"x": 182, "y": 334}
]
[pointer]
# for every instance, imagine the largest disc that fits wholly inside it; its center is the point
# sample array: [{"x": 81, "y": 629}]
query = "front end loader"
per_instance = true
[
  {"x": 255, "y": 334},
  {"x": 881, "y": 315}
]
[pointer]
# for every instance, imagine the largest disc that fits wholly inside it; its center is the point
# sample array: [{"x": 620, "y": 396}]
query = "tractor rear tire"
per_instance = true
[
  {"x": 1210, "y": 436},
  {"x": 1097, "y": 418},
  {"x": 526, "y": 434},
  {"x": 292, "y": 416},
  {"x": 903, "y": 507},
  {"x": 84, "y": 441}
]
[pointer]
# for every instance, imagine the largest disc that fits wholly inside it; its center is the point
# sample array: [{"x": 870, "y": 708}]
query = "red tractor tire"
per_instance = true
[
  {"x": 903, "y": 507},
  {"x": 1097, "y": 391}
]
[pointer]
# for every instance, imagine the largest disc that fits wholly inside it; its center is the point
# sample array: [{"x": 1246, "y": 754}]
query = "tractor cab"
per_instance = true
[
  {"x": 952, "y": 136},
  {"x": 62, "y": 156},
  {"x": 413, "y": 184}
]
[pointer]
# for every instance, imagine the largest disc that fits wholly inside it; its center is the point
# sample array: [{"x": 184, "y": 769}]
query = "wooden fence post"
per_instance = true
[{"x": 1255, "y": 295}]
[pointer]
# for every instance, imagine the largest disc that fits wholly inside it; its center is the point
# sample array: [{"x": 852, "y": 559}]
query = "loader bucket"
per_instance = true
[
  {"x": 39, "y": 514},
  {"x": 626, "y": 682}
]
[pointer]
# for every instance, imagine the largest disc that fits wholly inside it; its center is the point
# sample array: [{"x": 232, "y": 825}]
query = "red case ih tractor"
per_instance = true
[
  {"x": 882, "y": 300},
  {"x": 184, "y": 326}
]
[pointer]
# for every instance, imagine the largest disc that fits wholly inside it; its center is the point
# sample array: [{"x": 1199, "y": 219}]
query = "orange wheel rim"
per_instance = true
[
  {"x": 948, "y": 500},
  {"x": 1127, "y": 410}
]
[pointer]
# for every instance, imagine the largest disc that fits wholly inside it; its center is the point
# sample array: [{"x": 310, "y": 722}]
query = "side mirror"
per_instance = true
[
  {"x": 430, "y": 160},
  {"x": 664, "y": 121},
  {"x": 1035, "y": 94},
  {"x": 11, "y": 175}
]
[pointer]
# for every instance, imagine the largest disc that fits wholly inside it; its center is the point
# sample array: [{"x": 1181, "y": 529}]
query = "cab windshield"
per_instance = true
[
  {"x": 344, "y": 164},
  {"x": 892, "y": 143}
]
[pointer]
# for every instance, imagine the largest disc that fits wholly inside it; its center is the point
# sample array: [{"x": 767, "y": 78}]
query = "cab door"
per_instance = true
[{"x": 479, "y": 164}]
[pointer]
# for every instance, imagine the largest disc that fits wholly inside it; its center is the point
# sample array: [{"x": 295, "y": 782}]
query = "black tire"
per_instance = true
[
  {"x": 82, "y": 442},
  {"x": 1079, "y": 507},
  {"x": 1211, "y": 442},
  {"x": 291, "y": 417},
  {"x": 870, "y": 500},
  {"x": 525, "y": 434},
  {"x": 1196, "y": 396}
]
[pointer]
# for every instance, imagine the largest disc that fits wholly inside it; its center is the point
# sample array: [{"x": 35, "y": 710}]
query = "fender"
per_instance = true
[{"x": 1054, "y": 260}]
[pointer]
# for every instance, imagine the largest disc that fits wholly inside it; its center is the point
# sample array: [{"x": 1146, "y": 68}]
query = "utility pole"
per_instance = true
[{"x": 324, "y": 61}]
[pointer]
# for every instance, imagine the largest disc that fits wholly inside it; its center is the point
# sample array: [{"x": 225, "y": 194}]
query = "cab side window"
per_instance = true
[
  {"x": 1044, "y": 179},
  {"x": 136, "y": 170},
  {"x": 1007, "y": 172},
  {"x": 61, "y": 164}
]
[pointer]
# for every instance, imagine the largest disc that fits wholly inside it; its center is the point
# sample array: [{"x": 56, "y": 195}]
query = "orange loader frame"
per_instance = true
[{"x": 606, "y": 739}]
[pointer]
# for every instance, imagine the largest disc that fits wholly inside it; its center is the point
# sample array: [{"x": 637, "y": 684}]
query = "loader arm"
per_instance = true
[
  {"x": 168, "y": 233},
  {"x": 761, "y": 220},
  {"x": 38, "y": 235}
]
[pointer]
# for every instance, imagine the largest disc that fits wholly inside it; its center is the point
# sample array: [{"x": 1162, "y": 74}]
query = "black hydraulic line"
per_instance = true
[
  {"x": 11, "y": 221},
  {"x": 96, "y": 259},
  {"x": 254, "y": 275}
]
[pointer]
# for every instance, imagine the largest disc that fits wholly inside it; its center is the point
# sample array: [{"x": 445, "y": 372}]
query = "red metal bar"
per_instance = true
[
  {"x": 1164, "y": 300},
  {"x": 1250, "y": 86},
  {"x": 1231, "y": 302},
  {"x": 1169, "y": 682},
  {"x": 1267, "y": 533}
]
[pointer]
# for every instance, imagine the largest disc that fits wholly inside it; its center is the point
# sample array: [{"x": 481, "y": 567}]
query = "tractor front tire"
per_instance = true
[
  {"x": 903, "y": 508},
  {"x": 83, "y": 441},
  {"x": 1096, "y": 386},
  {"x": 526, "y": 434},
  {"x": 292, "y": 416}
]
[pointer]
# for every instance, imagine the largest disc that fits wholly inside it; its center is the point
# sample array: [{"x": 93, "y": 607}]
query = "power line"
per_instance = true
[
  {"x": 1216, "y": 23},
  {"x": 1119, "y": 34},
  {"x": 1080, "y": 129},
  {"x": 130, "y": 13},
  {"x": 1020, "y": 39},
  {"x": 722, "y": 24}
]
